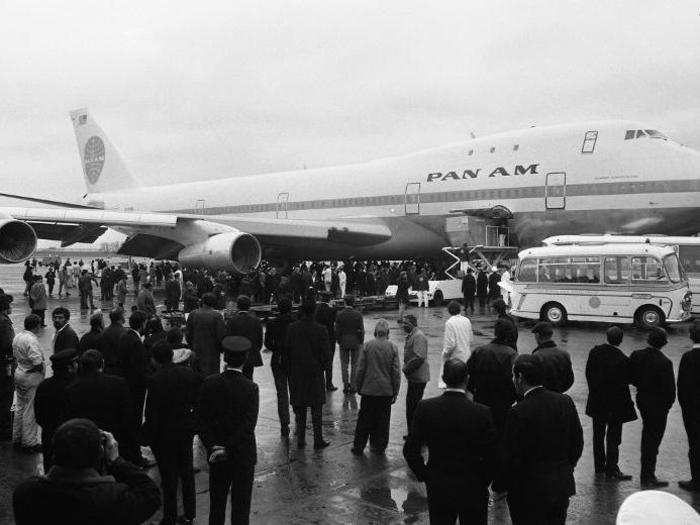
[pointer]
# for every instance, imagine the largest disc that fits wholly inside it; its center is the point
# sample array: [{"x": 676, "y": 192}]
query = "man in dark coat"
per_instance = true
[
  {"x": 609, "y": 402},
  {"x": 91, "y": 339},
  {"x": 461, "y": 442},
  {"x": 108, "y": 343},
  {"x": 65, "y": 335},
  {"x": 227, "y": 414},
  {"x": 350, "y": 333},
  {"x": 468, "y": 290},
  {"x": 51, "y": 399},
  {"x": 307, "y": 354},
  {"x": 172, "y": 293},
  {"x": 652, "y": 374},
  {"x": 89, "y": 483},
  {"x": 500, "y": 306},
  {"x": 245, "y": 323},
  {"x": 689, "y": 399},
  {"x": 169, "y": 428},
  {"x": 482, "y": 288},
  {"x": 556, "y": 363},
  {"x": 494, "y": 289},
  {"x": 7, "y": 383},
  {"x": 104, "y": 399},
  {"x": 542, "y": 443},
  {"x": 204, "y": 331},
  {"x": 134, "y": 364},
  {"x": 491, "y": 375},
  {"x": 275, "y": 339}
]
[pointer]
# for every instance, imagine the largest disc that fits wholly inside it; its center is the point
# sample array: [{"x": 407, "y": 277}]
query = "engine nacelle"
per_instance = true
[
  {"x": 234, "y": 250},
  {"x": 17, "y": 241}
]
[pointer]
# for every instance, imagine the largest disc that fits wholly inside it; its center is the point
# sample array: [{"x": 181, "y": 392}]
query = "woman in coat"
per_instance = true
[
  {"x": 37, "y": 294},
  {"x": 307, "y": 360}
]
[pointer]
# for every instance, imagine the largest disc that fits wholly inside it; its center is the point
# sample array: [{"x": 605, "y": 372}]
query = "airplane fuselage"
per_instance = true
[{"x": 554, "y": 180}]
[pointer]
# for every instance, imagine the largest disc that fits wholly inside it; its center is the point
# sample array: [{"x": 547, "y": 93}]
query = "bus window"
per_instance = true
[
  {"x": 673, "y": 268},
  {"x": 527, "y": 271},
  {"x": 617, "y": 270},
  {"x": 647, "y": 269}
]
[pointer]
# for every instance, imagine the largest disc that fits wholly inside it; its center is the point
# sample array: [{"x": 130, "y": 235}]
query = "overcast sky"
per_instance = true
[{"x": 193, "y": 90}]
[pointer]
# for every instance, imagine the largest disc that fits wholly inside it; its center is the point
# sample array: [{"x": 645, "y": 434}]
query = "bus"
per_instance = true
[
  {"x": 687, "y": 248},
  {"x": 643, "y": 284}
]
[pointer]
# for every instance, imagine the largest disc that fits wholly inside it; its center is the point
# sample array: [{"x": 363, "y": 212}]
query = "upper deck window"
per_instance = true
[
  {"x": 650, "y": 133},
  {"x": 589, "y": 141}
]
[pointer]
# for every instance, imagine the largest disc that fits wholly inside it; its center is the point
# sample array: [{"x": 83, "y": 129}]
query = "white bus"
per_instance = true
[
  {"x": 635, "y": 283},
  {"x": 688, "y": 249}
]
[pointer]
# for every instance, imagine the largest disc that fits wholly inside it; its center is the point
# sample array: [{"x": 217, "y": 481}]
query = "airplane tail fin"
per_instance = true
[{"x": 103, "y": 167}]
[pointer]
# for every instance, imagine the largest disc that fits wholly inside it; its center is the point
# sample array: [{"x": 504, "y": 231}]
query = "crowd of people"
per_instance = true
[{"x": 503, "y": 421}]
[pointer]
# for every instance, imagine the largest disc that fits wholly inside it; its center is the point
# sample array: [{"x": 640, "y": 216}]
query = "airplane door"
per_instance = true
[
  {"x": 555, "y": 191},
  {"x": 199, "y": 207},
  {"x": 281, "y": 210},
  {"x": 411, "y": 200}
]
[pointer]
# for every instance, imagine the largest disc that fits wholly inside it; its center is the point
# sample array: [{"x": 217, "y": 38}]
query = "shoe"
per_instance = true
[
  {"x": 616, "y": 475},
  {"x": 357, "y": 451},
  {"x": 691, "y": 486},
  {"x": 331, "y": 388},
  {"x": 318, "y": 445},
  {"x": 653, "y": 483},
  {"x": 346, "y": 389}
]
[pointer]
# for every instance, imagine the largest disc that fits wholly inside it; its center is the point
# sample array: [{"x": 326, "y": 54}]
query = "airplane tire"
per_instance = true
[
  {"x": 438, "y": 299},
  {"x": 649, "y": 317},
  {"x": 554, "y": 313}
]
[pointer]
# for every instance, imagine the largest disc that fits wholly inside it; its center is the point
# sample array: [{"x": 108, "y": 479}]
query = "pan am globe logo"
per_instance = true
[{"x": 94, "y": 158}]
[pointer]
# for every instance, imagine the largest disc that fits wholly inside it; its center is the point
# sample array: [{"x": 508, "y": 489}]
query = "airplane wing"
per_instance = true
[{"x": 161, "y": 235}]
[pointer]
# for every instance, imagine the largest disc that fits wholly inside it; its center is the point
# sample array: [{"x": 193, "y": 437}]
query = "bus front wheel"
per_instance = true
[
  {"x": 554, "y": 313},
  {"x": 649, "y": 316}
]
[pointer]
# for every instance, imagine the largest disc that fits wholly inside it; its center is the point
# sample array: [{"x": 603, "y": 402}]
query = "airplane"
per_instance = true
[{"x": 603, "y": 176}]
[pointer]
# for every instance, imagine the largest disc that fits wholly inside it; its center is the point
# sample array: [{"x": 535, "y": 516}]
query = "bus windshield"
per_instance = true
[{"x": 673, "y": 268}]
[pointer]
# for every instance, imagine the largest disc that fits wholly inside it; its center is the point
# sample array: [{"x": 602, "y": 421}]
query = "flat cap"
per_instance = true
[
  {"x": 544, "y": 328},
  {"x": 64, "y": 357},
  {"x": 236, "y": 343},
  {"x": 5, "y": 301},
  {"x": 411, "y": 319}
]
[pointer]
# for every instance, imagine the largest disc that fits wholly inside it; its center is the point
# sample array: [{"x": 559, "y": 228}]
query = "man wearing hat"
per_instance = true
[
  {"x": 652, "y": 374},
  {"x": 7, "y": 385},
  {"x": 556, "y": 363},
  {"x": 51, "y": 397},
  {"x": 415, "y": 365},
  {"x": 227, "y": 415},
  {"x": 245, "y": 323},
  {"x": 689, "y": 399}
]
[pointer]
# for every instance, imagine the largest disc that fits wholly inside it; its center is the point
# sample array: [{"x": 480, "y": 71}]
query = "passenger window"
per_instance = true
[
  {"x": 690, "y": 258},
  {"x": 617, "y": 270},
  {"x": 647, "y": 269},
  {"x": 589, "y": 141},
  {"x": 629, "y": 134},
  {"x": 527, "y": 271}
]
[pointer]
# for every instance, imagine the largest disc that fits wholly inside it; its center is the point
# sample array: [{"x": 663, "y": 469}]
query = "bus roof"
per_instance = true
[
  {"x": 598, "y": 249},
  {"x": 559, "y": 240}
]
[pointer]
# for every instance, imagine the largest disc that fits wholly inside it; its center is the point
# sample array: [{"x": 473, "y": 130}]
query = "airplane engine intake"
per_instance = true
[
  {"x": 235, "y": 250},
  {"x": 17, "y": 241}
]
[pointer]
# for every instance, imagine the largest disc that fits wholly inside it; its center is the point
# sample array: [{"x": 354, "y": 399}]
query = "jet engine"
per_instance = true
[
  {"x": 235, "y": 250},
  {"x": 17, "y": 241}
]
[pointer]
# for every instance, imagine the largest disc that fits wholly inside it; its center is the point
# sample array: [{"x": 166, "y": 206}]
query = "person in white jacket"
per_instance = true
[
  {"x": 342, "y": 281},
  {"x": 458, "y": 336}
]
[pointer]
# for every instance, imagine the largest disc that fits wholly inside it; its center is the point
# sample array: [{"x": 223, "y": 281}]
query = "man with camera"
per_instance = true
[{"x": 88, "y": 483}]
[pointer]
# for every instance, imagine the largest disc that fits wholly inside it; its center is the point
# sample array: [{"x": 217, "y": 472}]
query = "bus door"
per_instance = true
[
  {"x": 555, "y": 191},
  {"x": 281, "y": 209},
  {"x": 411, "y": 200}
]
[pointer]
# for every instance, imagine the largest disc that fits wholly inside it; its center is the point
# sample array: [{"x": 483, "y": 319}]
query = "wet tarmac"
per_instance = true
[{"x": 333, "y": 486}]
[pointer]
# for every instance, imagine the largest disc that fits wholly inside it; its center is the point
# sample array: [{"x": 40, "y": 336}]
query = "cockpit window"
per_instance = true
[{"x": 649, "y": 133}]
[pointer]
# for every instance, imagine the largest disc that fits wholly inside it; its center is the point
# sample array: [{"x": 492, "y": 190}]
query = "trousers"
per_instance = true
[
  {"x": 282, "y": 386},
  {"x": 413, "y": 396},
  {"x": 373, "y": 423},
  {"x": 692, "y": 429},
  {"x": 524, "y": 512},
  {"x": 422, "y": 298},
  {"x": 316, "y": 421},
  {"x": 25, "y": 430},
  {"x": 225, "y": 476},
  {"x": 174, "y": 458},
  {"x": 606, "y": 448},
  {"x": 329, "y": 369},
  {"x": 348, "y": 356},
  {"x": 446, "y": 512},
  {"x": 653, "y": 428},
  {"x": 469, "y": 303},
  {"x": 7, "y": 390}
]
